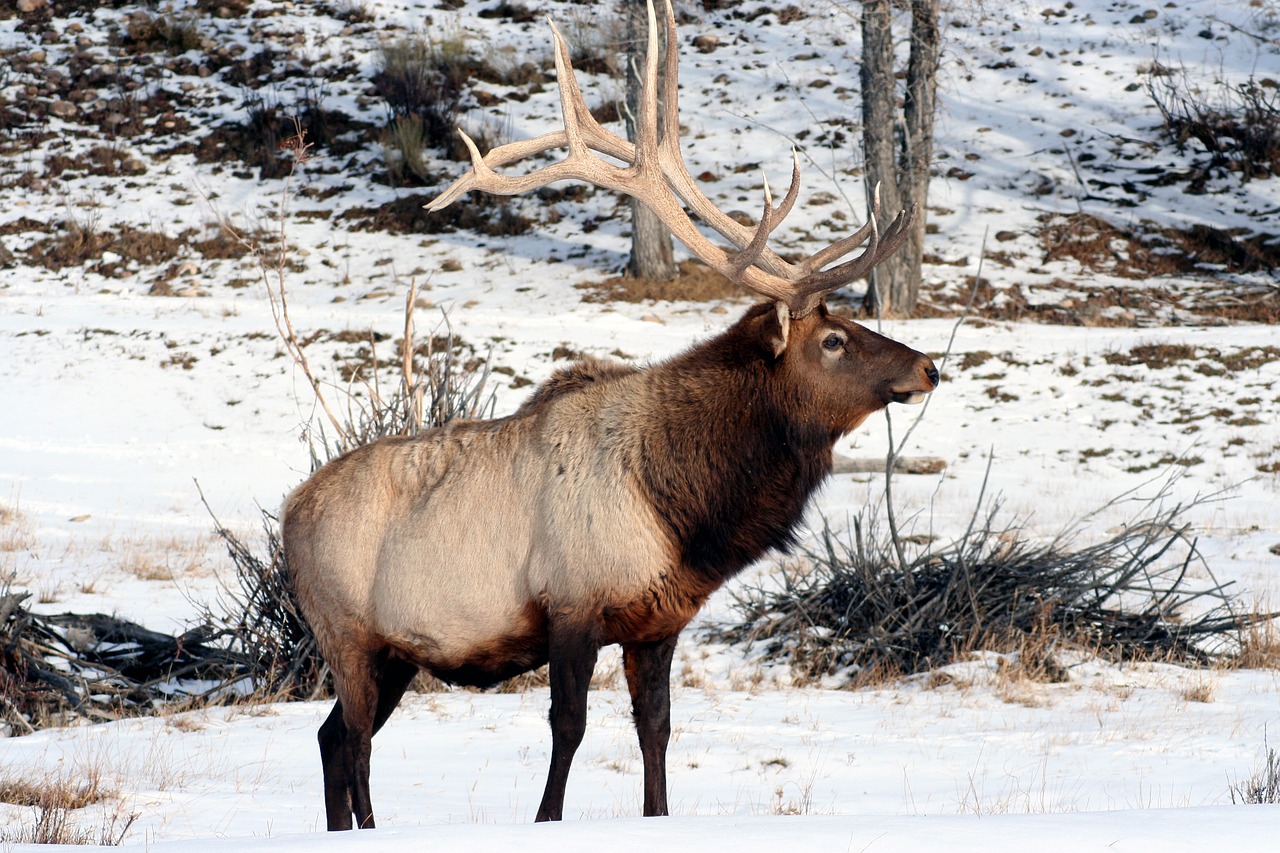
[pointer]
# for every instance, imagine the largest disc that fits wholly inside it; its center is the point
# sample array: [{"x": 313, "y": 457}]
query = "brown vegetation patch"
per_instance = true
[
  {"x": 485, "y": 214},
  {"x": 224, "y": 244},
  {"x": 1211, "y": 361},
  {"x": 167, "y": 33},
  {"x": 52, "y": 793},
  {"x": 22, "y": 225},
  {"x": 1149, "y": 249},
  {"x": 975, "y": 359},
  {"x": 694, "y": 282},
  {"x": 76, "y": 242},
  {"x": 102, "y": 160},
  {"x": 1084, "y": 303},
  {"x": 1154, "y": 356}
]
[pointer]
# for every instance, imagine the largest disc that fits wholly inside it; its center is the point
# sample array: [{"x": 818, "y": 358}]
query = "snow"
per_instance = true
[{"x": 118, "y": 408}]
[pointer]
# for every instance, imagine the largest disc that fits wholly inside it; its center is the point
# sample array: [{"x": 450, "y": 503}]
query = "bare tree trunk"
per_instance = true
[
  {"x": 879, "y": 129},
  {"x": 651, "y": 252},
  {"x": 898, "y": 156},
  {"x": 922, "y": 89}
]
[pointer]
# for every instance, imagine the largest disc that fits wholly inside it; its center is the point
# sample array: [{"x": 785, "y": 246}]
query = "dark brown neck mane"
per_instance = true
[{"x": 729, "y": 458}]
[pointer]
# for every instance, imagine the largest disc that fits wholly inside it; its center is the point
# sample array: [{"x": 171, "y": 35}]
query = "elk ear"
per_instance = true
[{"x": 777, "y": 328}]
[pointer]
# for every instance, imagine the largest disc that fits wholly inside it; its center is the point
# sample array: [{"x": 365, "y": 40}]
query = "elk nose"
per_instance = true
[{"x": 932, "y": 373}]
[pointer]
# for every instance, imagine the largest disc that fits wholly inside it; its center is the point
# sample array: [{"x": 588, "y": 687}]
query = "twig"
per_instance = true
[{"x": 1245, "y": 32}]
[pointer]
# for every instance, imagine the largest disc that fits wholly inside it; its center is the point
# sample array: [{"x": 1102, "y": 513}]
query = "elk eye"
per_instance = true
[{"x": 833, "y": 342}]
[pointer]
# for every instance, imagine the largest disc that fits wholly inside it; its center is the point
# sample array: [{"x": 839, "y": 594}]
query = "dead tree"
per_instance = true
[
  {"x": 899, "y": 152},
  {"x": 651, "y": 251}
]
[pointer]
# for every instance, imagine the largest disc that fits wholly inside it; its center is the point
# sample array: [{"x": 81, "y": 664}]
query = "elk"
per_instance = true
[{"x": 611, "y": 504}]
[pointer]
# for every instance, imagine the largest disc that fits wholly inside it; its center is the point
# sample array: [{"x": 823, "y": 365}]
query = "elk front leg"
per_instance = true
[
  {"x": 648, "y": 669},
  {"x": 572, "y": 657}
]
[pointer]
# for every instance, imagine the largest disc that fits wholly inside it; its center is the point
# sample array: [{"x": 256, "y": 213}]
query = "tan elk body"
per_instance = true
[{"x": 608, "y": 507}]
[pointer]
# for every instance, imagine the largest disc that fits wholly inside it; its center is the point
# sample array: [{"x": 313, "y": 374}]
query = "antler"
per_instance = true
[{"x": 656, "y": 175}]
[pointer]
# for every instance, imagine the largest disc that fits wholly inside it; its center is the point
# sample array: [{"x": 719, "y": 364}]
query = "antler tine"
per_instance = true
[
  {"x": 647, "y": 145},
  {"x": 878, "y": 248},
  {"x": 815, "y": 262},
  {"x": 769, "y": 220},
  {"x": 677, "y": 173},
  {"x": 582, "y": 134},
  {"x": 751, "y": 253}
]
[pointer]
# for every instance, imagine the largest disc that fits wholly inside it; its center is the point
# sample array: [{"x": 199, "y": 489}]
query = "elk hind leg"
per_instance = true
[
  {"x": 572, "y": 657},
  {"x": 648, "y": 670},
  {"x": 337, "y": 790},
  {"x": 369, "y": 688}
]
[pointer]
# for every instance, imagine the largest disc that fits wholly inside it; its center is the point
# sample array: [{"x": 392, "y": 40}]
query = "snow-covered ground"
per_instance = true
[{"x": 115, "y": 403}]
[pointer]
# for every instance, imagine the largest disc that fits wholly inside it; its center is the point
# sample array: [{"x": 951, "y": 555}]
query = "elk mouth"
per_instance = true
[{"x": 909, "y": 398}]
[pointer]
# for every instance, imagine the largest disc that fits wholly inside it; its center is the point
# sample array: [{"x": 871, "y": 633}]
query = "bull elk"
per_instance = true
[{"x": 610, "y": 504}]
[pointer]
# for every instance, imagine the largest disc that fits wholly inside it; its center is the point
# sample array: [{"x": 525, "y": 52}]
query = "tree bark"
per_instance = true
[
  {"x": 651, "y": 250},
  {"x": 898, "y": 154}
]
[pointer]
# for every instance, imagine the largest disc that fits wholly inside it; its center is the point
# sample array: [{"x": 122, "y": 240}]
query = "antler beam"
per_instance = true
[{"x": 656, "y": 175}]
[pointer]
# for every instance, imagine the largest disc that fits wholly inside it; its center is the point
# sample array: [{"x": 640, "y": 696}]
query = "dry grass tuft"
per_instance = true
[
  {"x": 55, "y": 800},
  {"x": 1201, "y": 690},
  {"x": 15, "y": 530},
  {"x": 53, "y": 792},
  {"x": 164, "y": 559},
  {"x": 1263, "y": 786},
  {"x": 695, "y": 282},
  {"x": 1259, "y": 642}
]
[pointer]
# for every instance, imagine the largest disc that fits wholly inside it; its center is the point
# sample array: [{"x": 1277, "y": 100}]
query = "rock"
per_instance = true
[
  {"x": 706, "y": 43},
  {"x": 26, "y": 6},
  {"x": 63, "y": 109}
]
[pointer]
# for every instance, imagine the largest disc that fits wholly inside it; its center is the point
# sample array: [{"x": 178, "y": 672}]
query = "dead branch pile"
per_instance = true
[
  {"x": 866, "y": 601},
  {"x": 262, "y": 624},
  {"x": 58, "y": 668}
]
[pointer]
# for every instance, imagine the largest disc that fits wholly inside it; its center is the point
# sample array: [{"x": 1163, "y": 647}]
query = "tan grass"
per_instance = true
[
  {"x": 1260, "y": 645},
  {"x": 56, "y": 800},
  {"x": 163, "y": 558},
  {"x": 695, "y": 283},
  {"x": 15, "y": 530},
  {"x": 1201, "y": 690},
  {"x": 53, "y": 792},
  {"x": 49, "y": 592}
]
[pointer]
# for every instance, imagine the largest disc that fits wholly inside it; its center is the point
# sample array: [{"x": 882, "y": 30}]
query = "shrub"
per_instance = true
[
  {"x": 174, "y": 34},
  {"x": 403, "y": 144},
  {"x": 867, "y": 600},
  {"x": 425, "y": 78},
  {"x": 1263, "y": 786},
  {"x": 1238, "y": 126}
]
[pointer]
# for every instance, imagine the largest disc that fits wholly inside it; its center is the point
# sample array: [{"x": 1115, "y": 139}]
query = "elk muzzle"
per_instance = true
[{"x": 925, "y": 379}]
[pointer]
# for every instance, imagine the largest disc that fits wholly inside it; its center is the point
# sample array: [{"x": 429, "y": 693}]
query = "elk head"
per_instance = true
[{"x": 654, "y": 173}]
